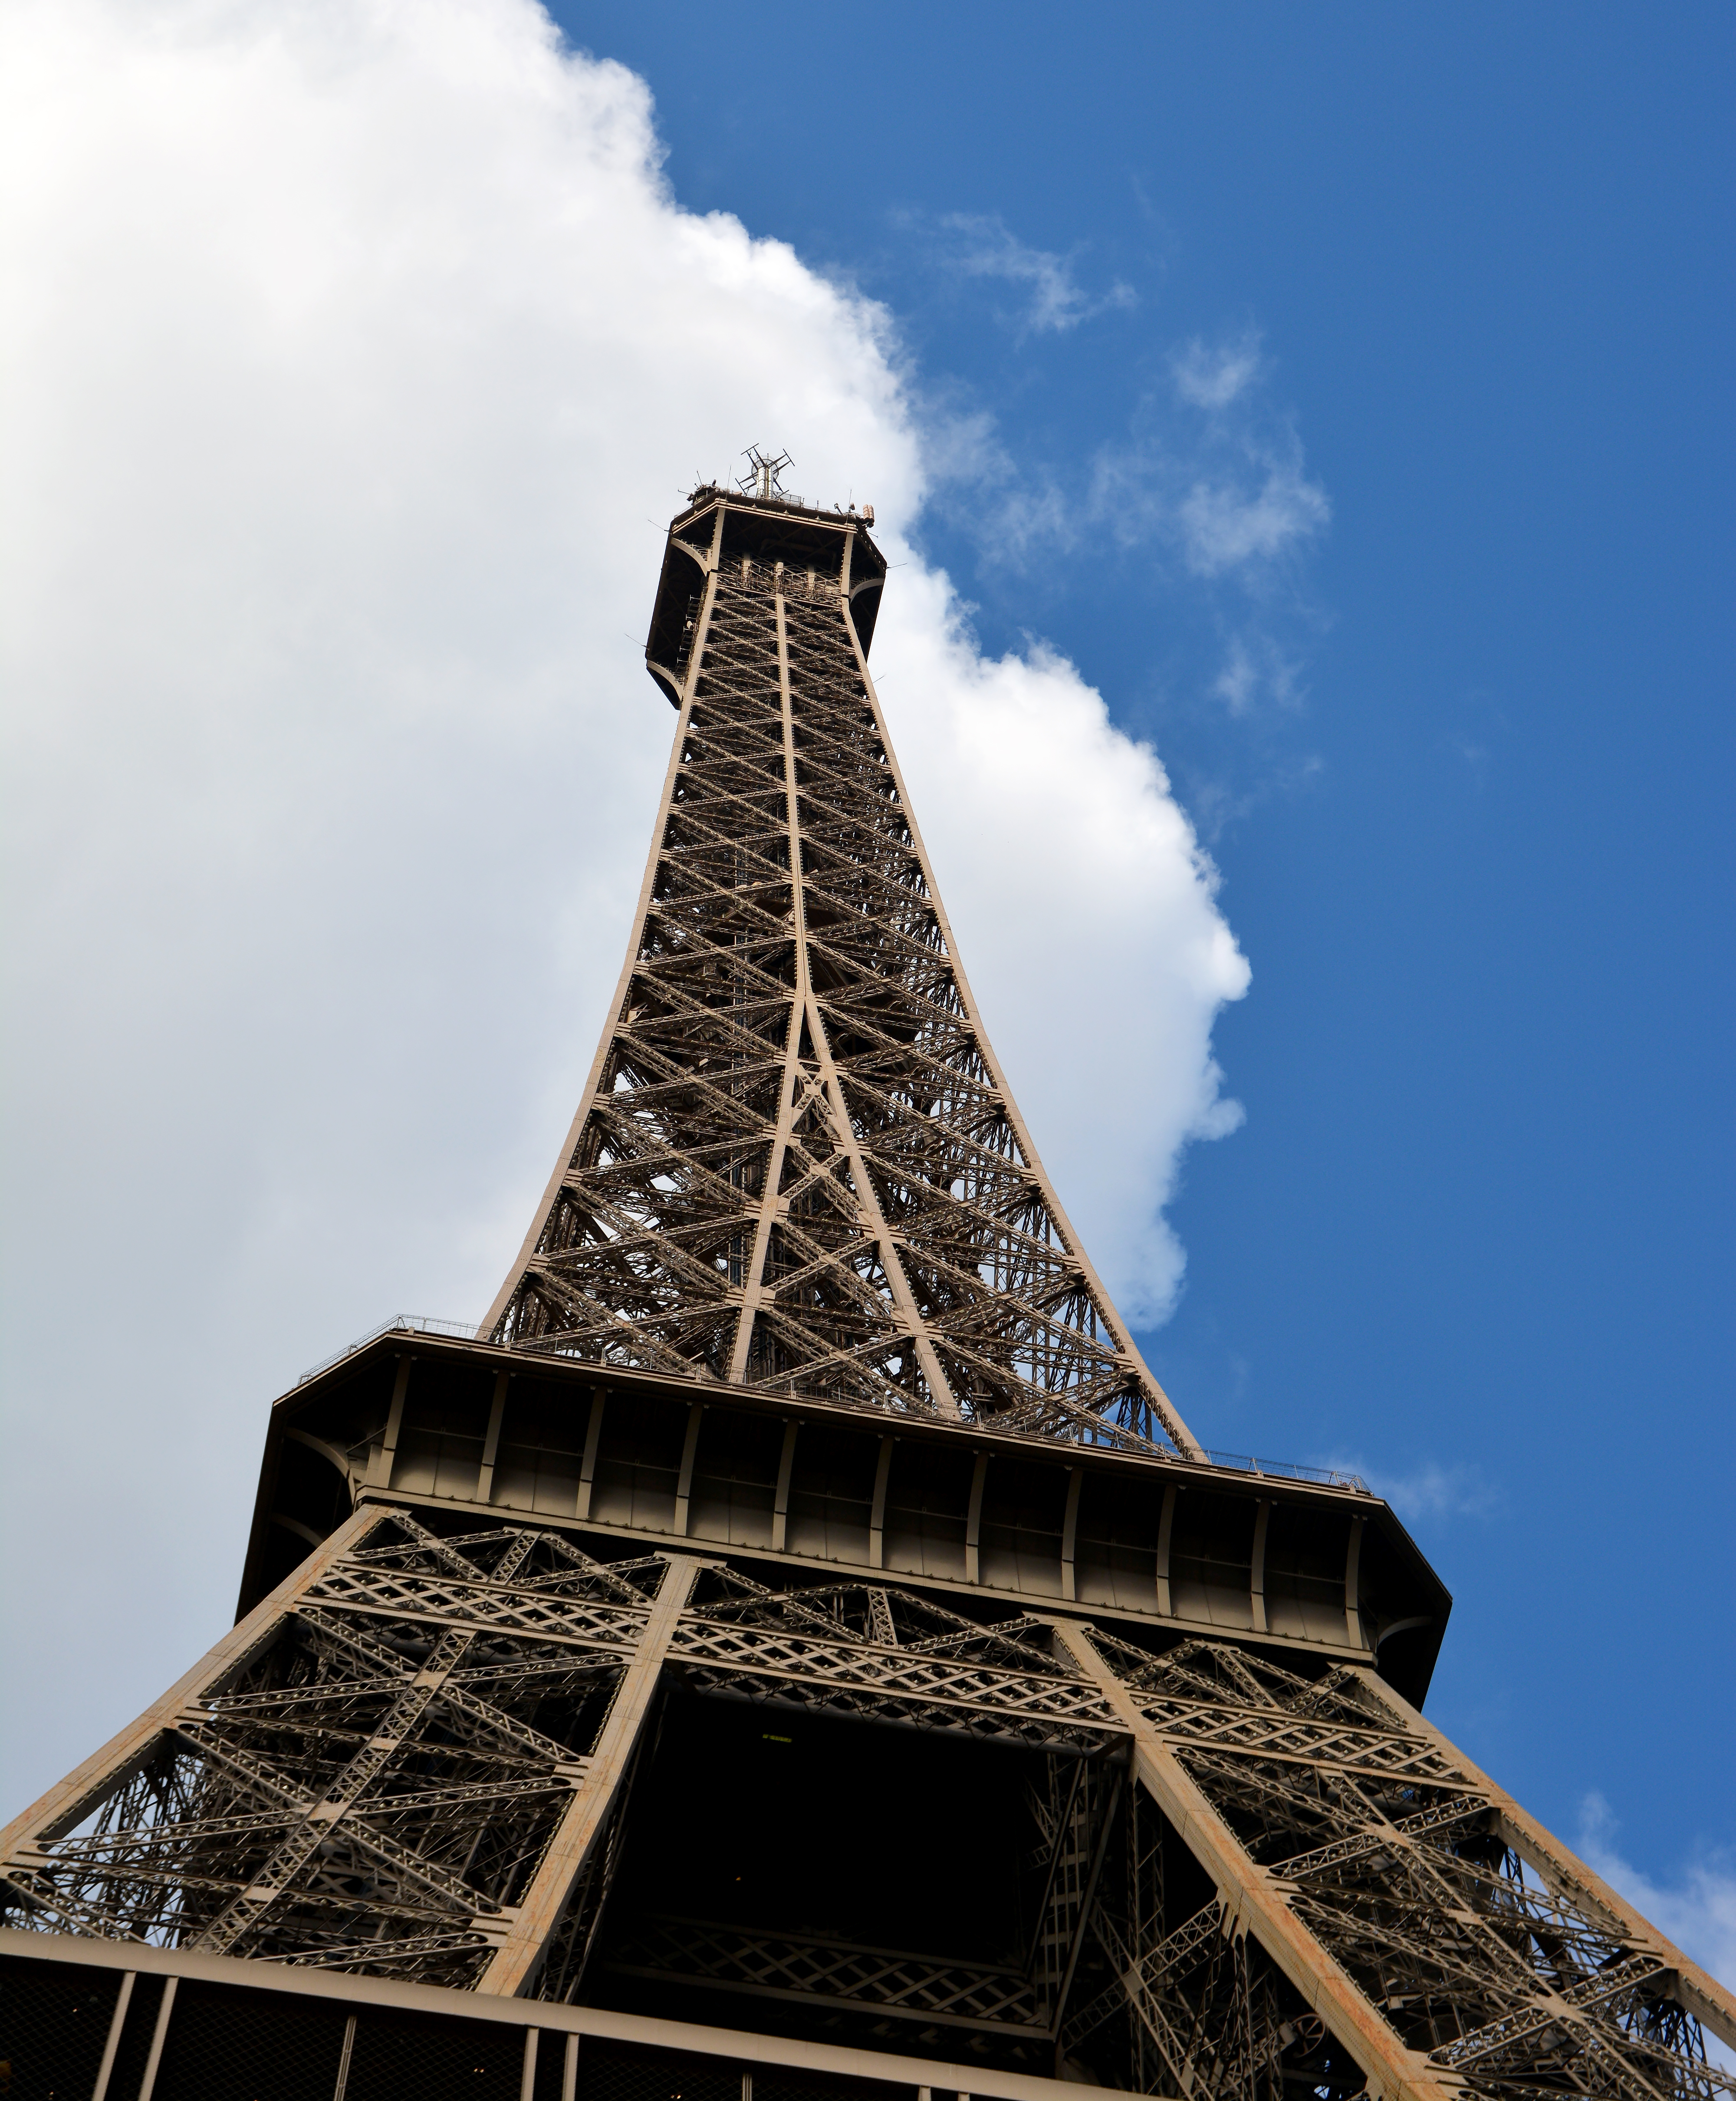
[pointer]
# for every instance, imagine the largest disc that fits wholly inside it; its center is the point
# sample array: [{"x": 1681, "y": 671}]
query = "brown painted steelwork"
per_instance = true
[
  {"x": 796, "y": 1163},
  {"x": 801, "y": 1608}
]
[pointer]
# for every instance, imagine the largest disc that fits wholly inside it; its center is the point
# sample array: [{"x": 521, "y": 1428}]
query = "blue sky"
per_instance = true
[
  {"x": 1332, "y": 390},
  {"x": 1476, "y": 1234}
]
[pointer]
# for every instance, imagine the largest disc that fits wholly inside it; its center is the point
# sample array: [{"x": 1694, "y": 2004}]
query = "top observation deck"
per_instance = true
[{"x": 830, "y": 549}]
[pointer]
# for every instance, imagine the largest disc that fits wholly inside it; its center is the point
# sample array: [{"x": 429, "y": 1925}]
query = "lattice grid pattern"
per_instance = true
[
  {"x": 798, "y": 1166},
  {"x": 1395, "y": 1861},
  {"x": 374, "y": 1782},
  {"x": 797, "y": 1169},
  {"x": 367, "y": 1791}
]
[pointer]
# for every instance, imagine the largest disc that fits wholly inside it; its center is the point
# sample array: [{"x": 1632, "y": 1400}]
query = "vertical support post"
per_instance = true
[
  {"x": 520, "y": 1949},
  {"x": 1165, "y": 1527},
  {"x": 753, "y": 1283},
  {"x": 1087, "y": 1898},
  {"x": 569, "y": 2070},
  {"x": 1076, "y": 1479},
  {"x": 491, "y": 1443},
  {"x": 974, "y": 1521},
  {"x": 780, "y": 1507},
  {"x": 380, "y": 1458},
  {"x": 105, "y": 2070},
  {"x": 872, "y": 1218},
  {"x": 1352, "y": 1617},
  {"x": 159, "y": 2037},
  {"x": 343, "y": 2060},
  {"x": 1257, "y": 1571},
  {"x": 877, "y": 1513},
  {"x": 684, "y": 1479},
  {"x": 528, "y": 2077},
  {"x": 588, "y": 1467}
]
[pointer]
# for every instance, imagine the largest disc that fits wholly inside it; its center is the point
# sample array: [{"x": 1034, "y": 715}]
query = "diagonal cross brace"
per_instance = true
[
  {"x": 518, "y": 1952},
  {"x": 1252, "y": 1894}
]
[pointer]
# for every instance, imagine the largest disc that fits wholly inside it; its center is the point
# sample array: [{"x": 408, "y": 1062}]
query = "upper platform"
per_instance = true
[
  {"x": 721, "y": 525},
  {"x": 991, "y": 1521}
]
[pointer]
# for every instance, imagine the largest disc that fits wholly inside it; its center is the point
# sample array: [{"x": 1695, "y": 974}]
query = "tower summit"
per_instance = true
[{"x": 794, "y": 1648}]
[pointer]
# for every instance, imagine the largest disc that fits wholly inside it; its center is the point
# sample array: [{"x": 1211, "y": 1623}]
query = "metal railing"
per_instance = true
[
  {"x": 467, "y": 1331},
  {"x": 413, "y": 1324},
  {"x": 1291, "y": 1470}
]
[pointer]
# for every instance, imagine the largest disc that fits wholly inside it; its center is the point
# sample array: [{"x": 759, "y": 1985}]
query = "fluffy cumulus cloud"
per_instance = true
[{"x": 356, "y": 353}]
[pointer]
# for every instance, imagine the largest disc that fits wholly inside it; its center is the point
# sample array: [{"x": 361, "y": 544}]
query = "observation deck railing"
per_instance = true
[{"x": 467, "y": 1331}]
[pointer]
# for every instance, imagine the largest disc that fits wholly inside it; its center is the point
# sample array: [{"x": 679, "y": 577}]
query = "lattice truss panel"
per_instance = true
[
  {"x": 423, "y": 1767},
  {"x": 796, "y": 1166},
  {"x": 1391, "y": 1854},
  {"x": 373, "y": 1783},
  {"x": 887, "y": 1655}
]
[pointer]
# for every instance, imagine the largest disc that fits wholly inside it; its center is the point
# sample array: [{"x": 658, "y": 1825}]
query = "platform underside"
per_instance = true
[{"x": 1316, "y": 1566}]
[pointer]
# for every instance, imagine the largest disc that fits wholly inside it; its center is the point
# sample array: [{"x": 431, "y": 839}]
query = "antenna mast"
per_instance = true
[{"x": 764, "y": 478}]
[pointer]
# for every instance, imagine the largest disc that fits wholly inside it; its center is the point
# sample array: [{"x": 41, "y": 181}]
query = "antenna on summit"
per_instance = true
[{"x": 765, "y": 471}]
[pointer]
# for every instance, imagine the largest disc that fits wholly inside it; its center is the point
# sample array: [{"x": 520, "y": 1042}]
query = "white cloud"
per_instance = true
[
  {"x": 1253, "y": 503},
  {"x": 354, "y": 352},
  {"x": 1251, "y": 516},
  {"x": 986, "y": 248},
  {"x": 1429, "y": 1491},
  {"x": 1698, "y": 1911},
  {"x": 1432, "y": 1490},
  {"x": 1232, "y": 498},
  {"x": 1255, "y": 668},
  {"x": 1213, "y": 375}
]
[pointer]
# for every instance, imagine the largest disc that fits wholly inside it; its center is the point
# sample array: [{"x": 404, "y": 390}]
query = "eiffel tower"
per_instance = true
[{"x": 794, "y": 1646}]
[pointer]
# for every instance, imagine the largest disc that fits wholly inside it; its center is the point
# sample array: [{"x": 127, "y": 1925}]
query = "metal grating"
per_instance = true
[
  {"x": 227, "y": 2045},
  {"x": 54, "y": 2023},
  {"x": 405, "y": 2058}
]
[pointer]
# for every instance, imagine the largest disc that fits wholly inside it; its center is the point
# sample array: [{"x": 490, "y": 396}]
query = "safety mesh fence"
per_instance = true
[
  {"x": 54, "y": 2023},
  {"x": 608, "y": 2073},
  {"x": 223, "y": 2042},
  {"x": 407, "y": 2057}
]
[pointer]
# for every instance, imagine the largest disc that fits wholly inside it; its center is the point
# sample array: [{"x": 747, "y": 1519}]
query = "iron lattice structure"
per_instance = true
[
  {"x": 418, "y": 1766},
  {"x": 803, "y": 1422},
  {"x": 796, "y": 1162}
]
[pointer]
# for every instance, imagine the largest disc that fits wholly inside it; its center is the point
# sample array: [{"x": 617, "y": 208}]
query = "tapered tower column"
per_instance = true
[{"x": 797, "y": 1164}]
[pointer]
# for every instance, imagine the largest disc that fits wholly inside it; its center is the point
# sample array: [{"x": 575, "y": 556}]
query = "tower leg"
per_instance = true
[
  {"x": 395, "y": 1765},
  {"x": 1251, "y": 1898},
  {"x": 521, "y": 1948},
  {"x": 67, "y": 1803},
  {"x": 1450, "y": 1944},
  {"x": 1698, "y": 1991}
]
